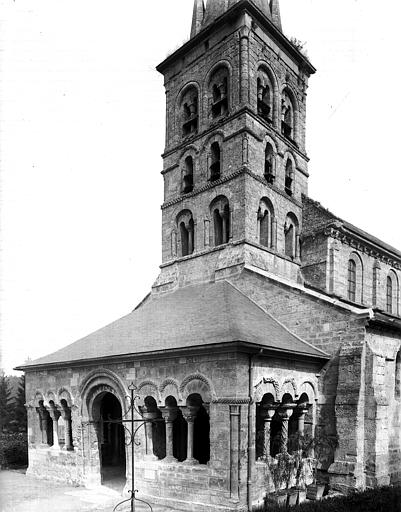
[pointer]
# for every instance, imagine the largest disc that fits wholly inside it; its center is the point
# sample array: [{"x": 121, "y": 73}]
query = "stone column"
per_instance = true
[
  {"x": 267, "y": 413},
  {"x": 190, "y": 240},
  {"x": 149, "y": 416},
  {"x": 285, "y": 414},
  {"x": 301, "y": 420},
  {"x": 66, "y": 415},
  {"x": 55, "y": 415},
  {"x": 190, "y": 415},
  {"x": 274, "y": 234},
  {"x": 169, "y": 415},
  {"x": 225, "y": 217}
]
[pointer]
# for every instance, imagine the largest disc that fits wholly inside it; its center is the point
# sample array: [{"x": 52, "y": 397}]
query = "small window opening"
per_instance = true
[
  {"x": 188, "y": 179},
  {"x": 220, "y": 99},
  {"x": 187, "y": 238},
  {"x": 264, "y": 108},
  {"x": 289, "y": 240},
  {"x": 215, "y": 167},
  {"x": 287, "y": 118},
  {"x": 352, "y": 280},
  {"x": 269, "y": 164},
  {"x": 289, "y": 178},
  {"x": 190, "y": 114},
  {"x": 389, "y": 295}
]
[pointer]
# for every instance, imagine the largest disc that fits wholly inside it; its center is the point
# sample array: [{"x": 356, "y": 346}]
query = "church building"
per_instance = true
[{"x": 270, "y": 316}]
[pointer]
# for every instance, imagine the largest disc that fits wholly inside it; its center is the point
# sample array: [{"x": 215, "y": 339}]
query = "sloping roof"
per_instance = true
[
  {"x": 327, "y": 218},
  {"x": 194, "y": 316}
]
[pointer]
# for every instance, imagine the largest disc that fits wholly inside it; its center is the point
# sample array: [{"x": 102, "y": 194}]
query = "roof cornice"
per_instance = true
[{"x": 228, "y": 347}]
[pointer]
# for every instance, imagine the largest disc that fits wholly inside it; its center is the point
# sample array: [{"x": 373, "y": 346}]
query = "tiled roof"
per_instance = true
[{"x": 194, "y": 316}]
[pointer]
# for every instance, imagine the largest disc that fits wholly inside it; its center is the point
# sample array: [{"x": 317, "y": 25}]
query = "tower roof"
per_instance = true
[{"x": 204, "y": 16}]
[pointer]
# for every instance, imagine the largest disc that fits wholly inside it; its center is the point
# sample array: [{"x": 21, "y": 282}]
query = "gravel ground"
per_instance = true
[{"x": 21, "y": 493}]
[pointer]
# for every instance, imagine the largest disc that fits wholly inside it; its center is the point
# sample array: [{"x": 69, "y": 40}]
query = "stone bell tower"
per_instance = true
[{"x": 235, "y": 166}]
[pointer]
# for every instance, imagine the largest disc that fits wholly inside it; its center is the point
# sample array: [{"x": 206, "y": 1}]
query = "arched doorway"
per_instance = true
[{"x": 111, "y": 442}]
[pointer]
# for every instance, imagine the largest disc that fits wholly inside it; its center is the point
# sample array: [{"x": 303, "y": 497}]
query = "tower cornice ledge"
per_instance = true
[{"x": 243, "y": 5}]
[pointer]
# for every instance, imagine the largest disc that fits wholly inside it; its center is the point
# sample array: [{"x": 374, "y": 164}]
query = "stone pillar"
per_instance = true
[
  {"x": 285, "y": 414},
  {"x": 244, "y": 63},
  {"x": 55, "y": 415},
  {"x": 169, "y": 415},
  {"x": 43, "y": 415},
  {"x": 267, "y": 414},
  {"x": 190, "y": 415}
]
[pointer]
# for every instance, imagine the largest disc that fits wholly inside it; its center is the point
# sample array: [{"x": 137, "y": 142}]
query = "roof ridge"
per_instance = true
[{"x": 277, "y": 321}]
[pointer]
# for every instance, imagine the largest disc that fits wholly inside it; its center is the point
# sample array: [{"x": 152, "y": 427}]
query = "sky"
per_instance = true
[{"x": 82, "y": 129}]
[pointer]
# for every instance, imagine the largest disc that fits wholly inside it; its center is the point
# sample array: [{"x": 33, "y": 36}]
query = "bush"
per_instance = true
[
  {"x": 13, "y": 450},
  {"x": 385, "y": 499}
]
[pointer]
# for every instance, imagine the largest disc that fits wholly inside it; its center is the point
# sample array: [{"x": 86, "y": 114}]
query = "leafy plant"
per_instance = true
[{"x": 13, "y": 450}]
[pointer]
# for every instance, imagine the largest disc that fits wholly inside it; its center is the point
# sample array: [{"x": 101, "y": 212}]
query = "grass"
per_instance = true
[{"x": 384, "y": 499}]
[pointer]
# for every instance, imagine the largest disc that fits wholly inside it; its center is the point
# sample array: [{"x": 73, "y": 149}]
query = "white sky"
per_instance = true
[{"x": 82, "y": 130}]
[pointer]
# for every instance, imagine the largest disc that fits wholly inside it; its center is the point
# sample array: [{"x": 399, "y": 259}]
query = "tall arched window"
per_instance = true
[
  {"x": 266, "y": 223},
  {"x": 189, "y": 111},
  {"x": 185, "y": 224},
  {"x": 269, "y": 173},
  {"x": 291, "y": 236},
  {"x": 287, "y": 116},
  {"x": 389, "y": 295},
  {"x": 188, "y": 175},
  {"x": 218, "y": 87},
  {"x": 392, "y": 293},
  {"x": 215, "y": 161},
  {"x": 220, "y": 211},
  {"x": 352, "y": 280},
  {"x": 289, "y": 178}
]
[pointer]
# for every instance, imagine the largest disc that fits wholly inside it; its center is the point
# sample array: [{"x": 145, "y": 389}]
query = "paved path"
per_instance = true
[{"x": 21, "y": 493}]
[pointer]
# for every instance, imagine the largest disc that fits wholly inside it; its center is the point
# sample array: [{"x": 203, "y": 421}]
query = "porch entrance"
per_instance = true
[{"x": 112, "y": 443}]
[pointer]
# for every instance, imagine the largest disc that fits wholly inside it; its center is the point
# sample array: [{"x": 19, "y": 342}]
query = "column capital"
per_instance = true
[
  {"x": 267, "y": 411},
  {"x": 169, "y": 414},
  {"x": 54, "y": 412},
  {"x": 189, "y": 412},
  {"x": 286, "y": 411}
]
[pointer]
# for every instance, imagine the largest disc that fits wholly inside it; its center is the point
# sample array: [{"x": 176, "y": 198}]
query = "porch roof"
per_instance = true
[{"x": 194, "y": 316}]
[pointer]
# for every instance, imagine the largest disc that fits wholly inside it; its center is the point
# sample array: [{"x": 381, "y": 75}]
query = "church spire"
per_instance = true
[
  {"x": 275, "y": 13},
  {"x": 197, "y": 17},
  {"x": 215, "y": 8}
]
